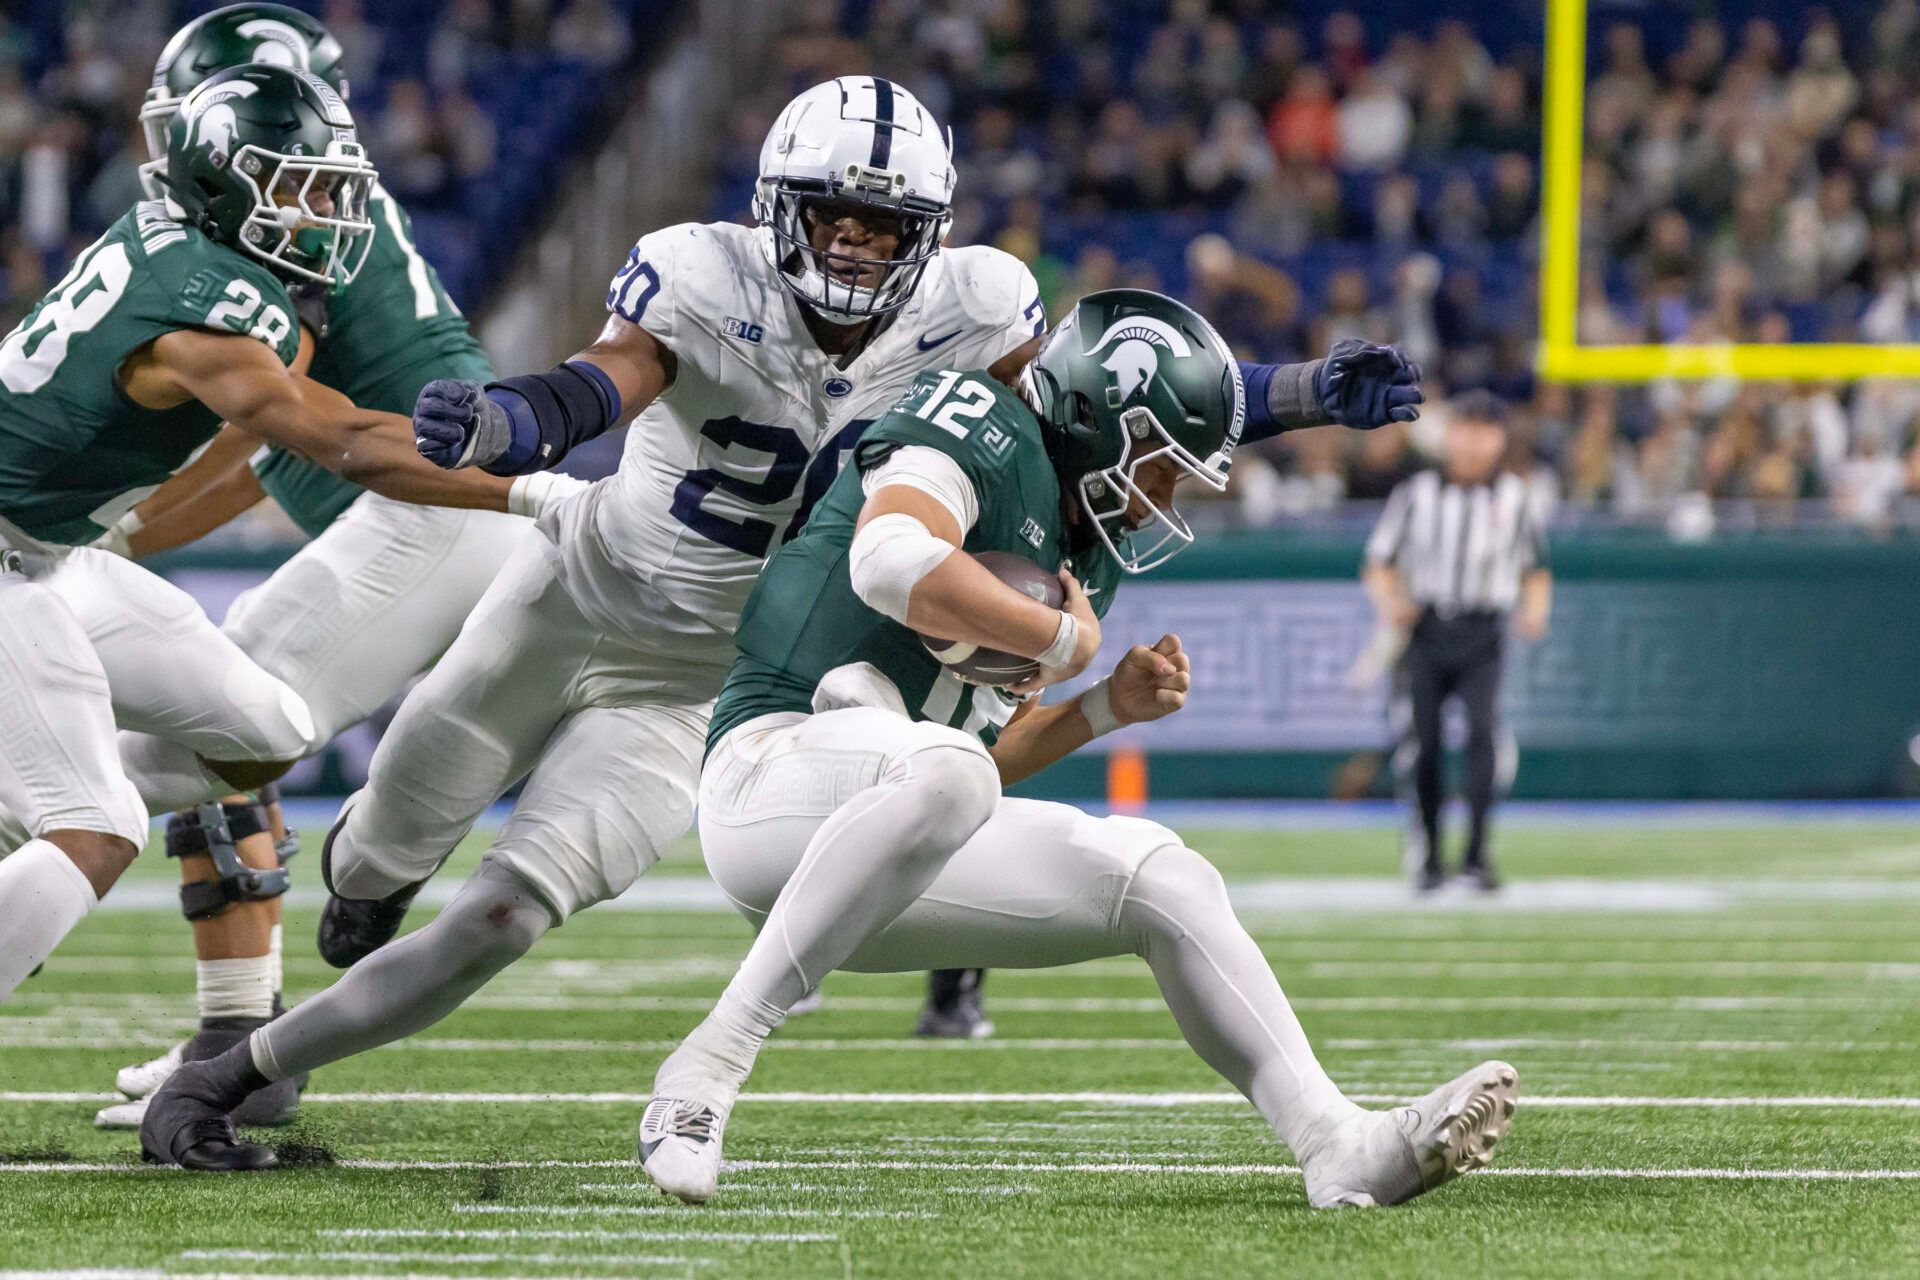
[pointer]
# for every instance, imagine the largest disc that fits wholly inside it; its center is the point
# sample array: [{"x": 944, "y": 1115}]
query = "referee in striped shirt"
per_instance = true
[{"x": 1457, "y": 551}]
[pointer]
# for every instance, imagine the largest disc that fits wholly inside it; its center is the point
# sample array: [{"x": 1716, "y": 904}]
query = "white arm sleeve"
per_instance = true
[
  {"x": 889, "y": 556},
  {"x": 932, "y": 472}
]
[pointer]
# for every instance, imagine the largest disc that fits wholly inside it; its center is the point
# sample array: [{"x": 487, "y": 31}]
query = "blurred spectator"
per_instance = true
[
  {"x": 360, "y": 42},
  {"x": 1304, "y": 124},
  {"x": 590, "y": 31},
  {"x": 1374, "y": 125}
]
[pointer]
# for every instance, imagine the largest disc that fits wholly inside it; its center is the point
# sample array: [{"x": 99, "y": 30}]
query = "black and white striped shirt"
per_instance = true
[{"x": 1460, "y": 548}]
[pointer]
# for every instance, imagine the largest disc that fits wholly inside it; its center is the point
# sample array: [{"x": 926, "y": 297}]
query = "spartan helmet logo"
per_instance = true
[
  {"x": 1135, "y": 358},
  {"x": 210, "y": 118},
  {"x": 277, "y": 43}
]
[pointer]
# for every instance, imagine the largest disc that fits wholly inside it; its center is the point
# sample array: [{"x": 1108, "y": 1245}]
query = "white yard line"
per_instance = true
[
  {"x": 949, "y": 1166},
  {"x": 456, "y": 1233},
  {"x": 423, "y": 1255},
  {"x": 1214, "y": 1098},
  {"x": 665, "y": 1210},
  {"x": 147, "y": 1273},
  {"x": 9, "y": 1039}
]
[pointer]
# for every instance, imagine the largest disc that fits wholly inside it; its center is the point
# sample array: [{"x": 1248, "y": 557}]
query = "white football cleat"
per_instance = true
[
  {"x": 121, "y": 1115},
  {"x": 680, "y": 1147},
  {"x": 1389, "y": 1157},
  {"x": 142, "y": 1080}
]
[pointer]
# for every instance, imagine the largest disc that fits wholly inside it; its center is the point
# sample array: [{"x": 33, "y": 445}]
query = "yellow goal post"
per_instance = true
[{"x": 1561, "y": 356}]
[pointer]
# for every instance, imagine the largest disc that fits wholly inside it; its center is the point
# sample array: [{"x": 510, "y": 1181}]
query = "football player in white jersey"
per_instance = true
[{"x": 750, "y": 359}]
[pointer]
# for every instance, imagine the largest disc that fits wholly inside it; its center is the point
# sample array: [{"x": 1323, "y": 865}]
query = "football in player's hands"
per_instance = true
[{"x": 993, "y": 667}]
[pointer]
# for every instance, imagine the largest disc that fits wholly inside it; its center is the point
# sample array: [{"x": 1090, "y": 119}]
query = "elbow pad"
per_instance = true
[
  {"x": 888, "y": 558},
  {"x": 549, "y": 413}
]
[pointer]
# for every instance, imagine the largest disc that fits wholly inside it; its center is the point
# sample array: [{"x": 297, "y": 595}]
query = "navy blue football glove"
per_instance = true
[
  {"x": 456, "y": 425},
  {"x": 1361, "y": 384}
]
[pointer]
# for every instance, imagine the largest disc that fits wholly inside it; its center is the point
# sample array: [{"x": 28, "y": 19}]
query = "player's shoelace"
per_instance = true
[{"x": 692, "y": 1120}]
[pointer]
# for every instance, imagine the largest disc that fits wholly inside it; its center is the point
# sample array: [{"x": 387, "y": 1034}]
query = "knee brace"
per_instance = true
[
  {"x": 289, "y": 844},
  {"x": 214, "y": 830}
]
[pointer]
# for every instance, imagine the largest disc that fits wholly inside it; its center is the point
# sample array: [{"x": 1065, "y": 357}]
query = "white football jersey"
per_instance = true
[{"x": 725, "y": 466}]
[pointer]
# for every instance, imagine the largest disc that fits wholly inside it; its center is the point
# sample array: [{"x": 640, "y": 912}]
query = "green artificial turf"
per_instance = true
[{"x": 1789, "y": 985}]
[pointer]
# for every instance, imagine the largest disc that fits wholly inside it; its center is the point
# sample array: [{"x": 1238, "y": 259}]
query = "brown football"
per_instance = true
[{"x": 991, "y": 666}]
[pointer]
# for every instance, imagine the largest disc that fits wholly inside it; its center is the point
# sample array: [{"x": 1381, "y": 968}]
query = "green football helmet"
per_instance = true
[
  {"x": 1128, "y": 377},
  {"x": 232, "y": 37},
  {"x": 265, "y": 159}
]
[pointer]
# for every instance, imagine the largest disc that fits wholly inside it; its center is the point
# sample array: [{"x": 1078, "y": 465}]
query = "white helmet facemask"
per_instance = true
[{"x": 864, "y": 149}]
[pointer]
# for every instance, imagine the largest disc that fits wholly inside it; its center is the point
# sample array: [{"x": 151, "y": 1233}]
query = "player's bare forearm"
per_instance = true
[
  {"x": 244, "y": 382},
  {"x": 1039, "y": 737},
  {"x": 216, "y": 500},
  {"x": 199, "y": 498}
]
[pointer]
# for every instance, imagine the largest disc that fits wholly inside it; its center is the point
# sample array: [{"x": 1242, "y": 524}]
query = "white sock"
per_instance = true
[
  {"x": 864, "y": 866},
  {"x": 240, "y": 988},
  {"x": 274, "y": 953},
  {"x": 42, "y": 896},
  {"x": 1223, "y": 993},
  {"x": 720, "y": 1051},
  {"x": 168, "y": 776}
]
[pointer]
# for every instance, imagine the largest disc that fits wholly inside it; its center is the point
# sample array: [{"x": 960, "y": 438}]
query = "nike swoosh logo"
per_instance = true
[{"x": 939, "y": 342}]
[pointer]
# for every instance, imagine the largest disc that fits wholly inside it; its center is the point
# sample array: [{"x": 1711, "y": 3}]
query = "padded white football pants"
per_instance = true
[
  {"x": 88, "y": 640},
  {"x": 802, "y": 824},
  {"x": 531, "y": 685}
]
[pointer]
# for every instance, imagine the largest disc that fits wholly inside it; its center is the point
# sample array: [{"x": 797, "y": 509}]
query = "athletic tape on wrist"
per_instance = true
[
  {"x": 1065, "y": 640},
  {"x": 1096, "y": 704}
]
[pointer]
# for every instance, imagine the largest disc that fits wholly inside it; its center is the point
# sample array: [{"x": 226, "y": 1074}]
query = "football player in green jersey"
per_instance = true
[
  {"x": 851, "y": 800},
  {"x": 175, "y": 319},
  {"x": 384, "y": 586}
]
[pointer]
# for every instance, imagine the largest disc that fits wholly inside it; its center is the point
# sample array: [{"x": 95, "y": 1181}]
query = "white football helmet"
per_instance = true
[{"x": 864, "y": 141}]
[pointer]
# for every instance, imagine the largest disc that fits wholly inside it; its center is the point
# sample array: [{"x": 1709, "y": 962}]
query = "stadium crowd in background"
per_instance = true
[
  {"x": 434, "y": 87},
  {"x": 1297, "y": 180},
  {"x": 1303, "y": 180}
]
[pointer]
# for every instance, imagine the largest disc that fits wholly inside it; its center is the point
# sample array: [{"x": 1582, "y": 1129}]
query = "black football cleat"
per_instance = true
[
  {"x": 1428, "y": 880},
  {"x": 187, "y": 1121},
  {"x": 955, "y": 1012},
  {"x": 351, "y": 929},
  {"x": 1480, "y": 876}
]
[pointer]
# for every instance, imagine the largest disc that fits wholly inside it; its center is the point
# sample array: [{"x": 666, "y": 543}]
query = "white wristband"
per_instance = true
[
  {"x": 532, "y": 495},
  {"x": 118, "y": 537},
  {"x": 1096, "y": 704},
  {"x": 1065, "y": 640}
]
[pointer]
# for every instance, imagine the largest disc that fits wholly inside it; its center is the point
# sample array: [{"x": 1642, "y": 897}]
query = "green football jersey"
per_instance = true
[
  {"x": 803, "y": 618},
  {"x": 75, "y": 453},
  {"x": 391, "y": 331}
]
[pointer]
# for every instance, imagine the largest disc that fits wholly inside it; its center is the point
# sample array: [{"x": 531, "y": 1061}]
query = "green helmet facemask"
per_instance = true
[
  {"x": 265, "y": 159},
  {"x": 1130, "y": 377}
]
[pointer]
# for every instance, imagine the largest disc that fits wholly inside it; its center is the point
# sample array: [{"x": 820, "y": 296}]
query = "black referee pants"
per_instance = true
[{"x": 1455, "y": 657}]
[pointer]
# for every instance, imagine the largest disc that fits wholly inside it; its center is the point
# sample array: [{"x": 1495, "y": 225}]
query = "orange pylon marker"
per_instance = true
[{"x": 1126, "y": 779}]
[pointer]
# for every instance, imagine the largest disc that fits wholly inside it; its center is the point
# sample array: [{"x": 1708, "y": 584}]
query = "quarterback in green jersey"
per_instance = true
[
  {"x": 177, "y": 318},
  {"x": 851, "y": 802},
  {"x": 378, "y": 595}
]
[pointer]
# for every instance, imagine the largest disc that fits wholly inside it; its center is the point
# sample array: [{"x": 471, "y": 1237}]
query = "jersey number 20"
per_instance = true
[{"x": 789, "y": 462}]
